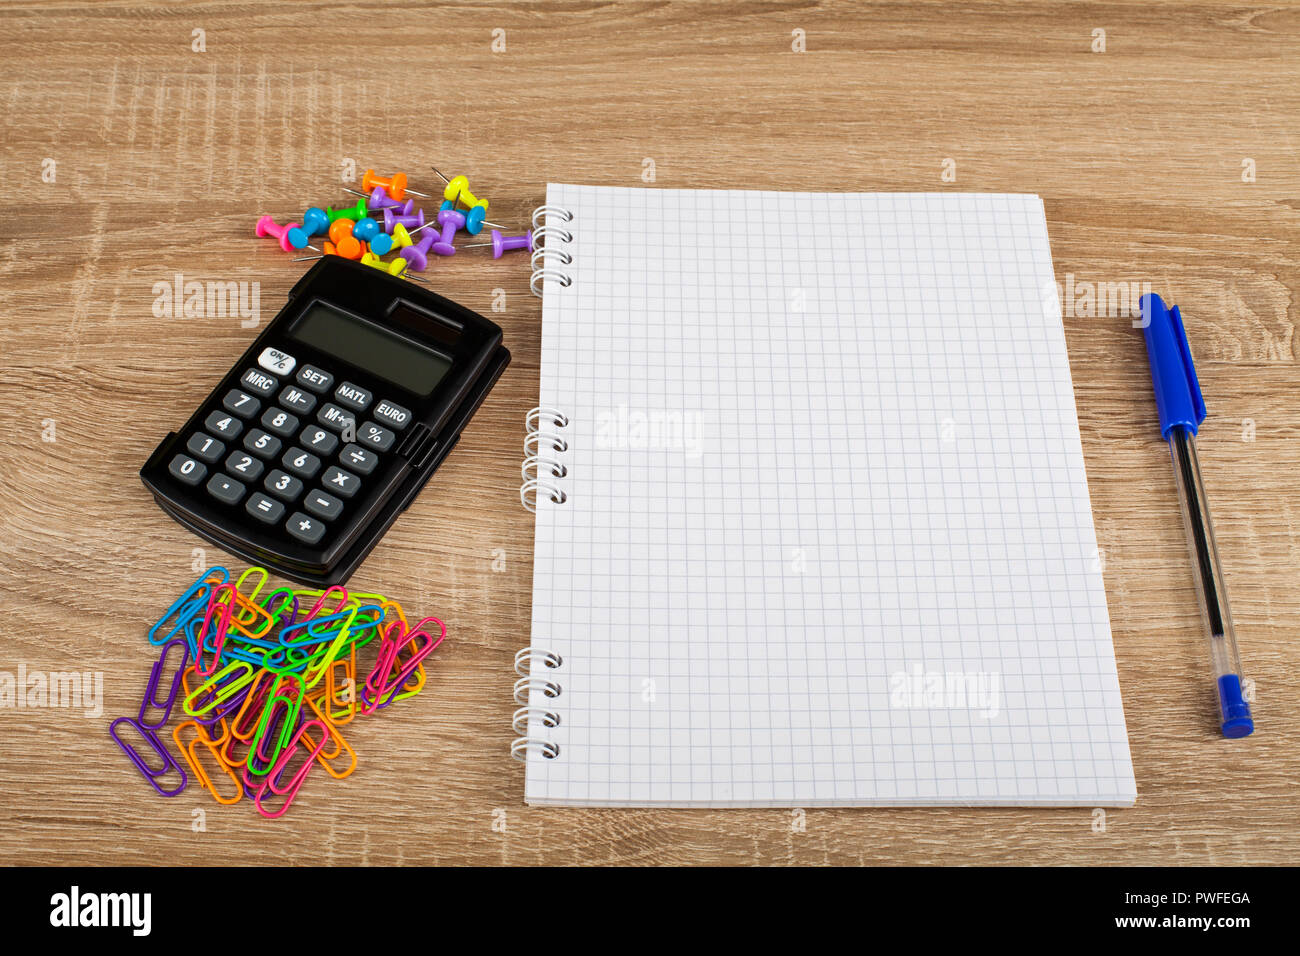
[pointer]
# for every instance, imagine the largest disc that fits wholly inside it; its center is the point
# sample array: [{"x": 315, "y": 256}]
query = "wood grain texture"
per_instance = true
[{"x": 166, "y": 156}]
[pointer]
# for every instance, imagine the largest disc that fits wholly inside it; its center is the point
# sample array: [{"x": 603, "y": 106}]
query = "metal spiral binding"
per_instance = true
[
  {"x": 547, "y": 255},
  {"x": 542, "y": 466},
  {"x": 523, "y": 745}
]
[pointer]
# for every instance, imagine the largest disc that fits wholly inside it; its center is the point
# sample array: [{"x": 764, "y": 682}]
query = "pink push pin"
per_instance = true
[
  {"x": 291, "y": 236},
  {"x": 502, "y": 244},
  {"x": 392, "y": 219},
  {"x": 417, "y": 255}
]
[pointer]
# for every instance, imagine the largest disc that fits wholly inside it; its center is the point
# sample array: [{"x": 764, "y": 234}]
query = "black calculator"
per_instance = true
[{"x": 328, "y": 426}]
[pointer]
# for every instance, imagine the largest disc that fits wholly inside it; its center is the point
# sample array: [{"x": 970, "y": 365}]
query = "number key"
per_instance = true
[
  {"x": 280, "y": 422},
  {"x": 302, "y": 463},
  {"x": 283, "y": 485},
  {"x": 262, "y": 444},
  {"x": 223, "y": 424},
  {"x": 319, "y": 440},
  {"x": 205, "y": 447},
  {"x": 186, "y": 469},
  {"x": 241, "y": 403},
  {"x": 244, "y": 465}
]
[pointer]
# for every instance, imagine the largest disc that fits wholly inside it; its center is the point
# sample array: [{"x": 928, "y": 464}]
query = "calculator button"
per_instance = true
[
  {"x": 283, "y": 485},
  {"x": 295, "y": 398},
  {"x": 308, "y": 530},
  {"x": 205, "y": 447},
  {"x": 302, "y": 463},
  {"x": 394, "y": 416},
  {"x": 319, "y": 440},
  {"x": 353, "y": 396},
  {"x": 262, "y": 444},
  {"x": 309, "y": 376},
  {"x": 372, "y": 436},
  {"x": 273, "y": 360},
  {"x": 263, "y": 508},
  {"x": 334, "y": 417},
  {"x": 224, "y": 488},
  {"x": 359, "y": 459},
  {"x": 259, "y": 382},
  {"x": 223, "y": 424},
  {"x": 186, "y": 469},
  {"x": 323, "y": 505},
  {"x": 280, "y": 422},
  {"x": 244, "y": 465},
  {"x": 241, "y": 403},
  {"x": 340, "y": 482}
]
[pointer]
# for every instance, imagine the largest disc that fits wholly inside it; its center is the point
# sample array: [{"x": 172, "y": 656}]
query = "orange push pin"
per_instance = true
[
  {"x": 394, "y": 185},
  {"x": 340, "y": 228},
  {"x": 348, "y": 247}
]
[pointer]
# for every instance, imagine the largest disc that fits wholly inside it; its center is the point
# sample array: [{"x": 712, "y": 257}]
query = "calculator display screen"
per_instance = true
[{"x": 369, "y": 347}]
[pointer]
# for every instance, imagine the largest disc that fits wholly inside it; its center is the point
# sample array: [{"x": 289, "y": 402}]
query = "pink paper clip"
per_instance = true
[
  {"x": 223, "y": 625},
  {"x": 380, "y": 688},
  {"x": 290, "y": 790}
]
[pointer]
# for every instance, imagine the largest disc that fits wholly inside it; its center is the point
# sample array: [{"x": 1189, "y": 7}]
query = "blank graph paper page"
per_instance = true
[{"x": 825, "y": 536}]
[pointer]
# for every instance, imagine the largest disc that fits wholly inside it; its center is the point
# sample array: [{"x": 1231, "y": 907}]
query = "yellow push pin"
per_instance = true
[
  {"x": 395, "y": 268},
  {"x": 458, "y": 189},
  {"x": 401, "y": 238}
]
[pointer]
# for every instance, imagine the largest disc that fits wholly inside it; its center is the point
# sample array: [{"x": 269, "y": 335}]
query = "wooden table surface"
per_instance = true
[{"x": 128, "y": 157}]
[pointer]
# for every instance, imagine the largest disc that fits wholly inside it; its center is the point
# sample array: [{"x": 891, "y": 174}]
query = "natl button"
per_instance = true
[
  {"x": 372, "y": 436},
  {"x": 318, "y": 440},
  {"x": 205, "y": 447},
  {"x": 259, "y": 382},
  {"x": 295, "y": 398},
  {"x": 283, "y": 485},
  {"x": 224, "y": 488},
  {"x": 394, "y": 416},
  {"x": 309, "y": 376},
  {"x": 263, "y": 508},
  {"x": 331, "y": 416},
  {"x": 305, "y": 529},
  {"x": 223, "y": 424},
  {"x": 241, "y": 403},
  {"x": 186, "y": 469},
  {"x": 273, "y": 360},
  {"x": 340, "y": 482},
  {"x": 353, "y": 396},
  {"x": 361, "y": 460},
  {"x": 244, "y": 465},
  {"x": 302, "y": 463},
  {"x": 323, "y": 505},
  {"x": 262, "y": 444},
  {"x": 279, "y": 422}
]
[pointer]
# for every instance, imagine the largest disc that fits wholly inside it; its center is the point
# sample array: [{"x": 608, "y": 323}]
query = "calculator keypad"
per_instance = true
[{"x": 274, "y": 445}]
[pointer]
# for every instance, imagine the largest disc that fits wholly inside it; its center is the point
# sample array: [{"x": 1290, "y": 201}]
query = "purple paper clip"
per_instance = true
[
  {"x": 151, "y": 689},
  {"x": 146, "y": 771}
]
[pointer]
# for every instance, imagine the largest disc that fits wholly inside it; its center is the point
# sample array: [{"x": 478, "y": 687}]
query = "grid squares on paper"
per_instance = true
[{"x": 827, "y": 538}]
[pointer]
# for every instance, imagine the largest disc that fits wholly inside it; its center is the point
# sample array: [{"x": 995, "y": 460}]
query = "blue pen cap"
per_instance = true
[{"x": 1178, "y": 392}]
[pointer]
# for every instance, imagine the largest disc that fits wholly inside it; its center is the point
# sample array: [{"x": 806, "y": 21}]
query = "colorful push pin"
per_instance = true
[
  {"x": 450, "y": 221},
  {"x": 401, "y": 238},
  {"x": 340, "y": 228},
  {"x": 381, "y": 244},
  {"x": 347, "y": 248},
  {"x": 291, "y": 236},
  {"x": 474, "y": 219},
  {"x": 354, "y": 213},
  {"x": 315, "y": 222},
  {"x": 365, "y": 229},
  {"x": 394, "y": 185},
  {"x": 502, "y": 244},
  {"x": 418, "y": 254},
  {"x": 392, "y": 220},
  {"x": 377, "y": 200},
  {"x": 458, "y": 189}
]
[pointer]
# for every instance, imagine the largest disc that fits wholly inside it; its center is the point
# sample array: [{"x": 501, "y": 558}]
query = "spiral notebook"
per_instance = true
[{"x": 812, "y": 522}]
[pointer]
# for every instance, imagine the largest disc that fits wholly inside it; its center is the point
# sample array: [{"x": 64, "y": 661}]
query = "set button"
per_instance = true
[{"x": 309, "y": 376}]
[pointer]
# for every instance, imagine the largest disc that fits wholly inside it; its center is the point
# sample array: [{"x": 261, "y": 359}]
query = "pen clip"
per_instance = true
[{"x": 1173, "y": 374}]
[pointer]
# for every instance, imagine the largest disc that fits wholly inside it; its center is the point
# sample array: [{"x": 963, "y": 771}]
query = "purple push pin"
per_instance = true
[
  {"x": 417, "y": 255},
  {"x": 392, "y": 219},
  {"x": 450, "y": 220},
  {"x": 377, "y": 200},
  {"x": 502, "y": 244}
]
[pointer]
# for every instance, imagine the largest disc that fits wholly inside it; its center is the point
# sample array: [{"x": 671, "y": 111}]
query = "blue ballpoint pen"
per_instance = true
[{"x": 1182, "y": 409}]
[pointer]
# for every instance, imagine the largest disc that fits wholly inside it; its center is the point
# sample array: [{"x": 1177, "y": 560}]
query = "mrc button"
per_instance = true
[
  {"x": 260, "y": 382},
  {"x": 394, "y": 416}
]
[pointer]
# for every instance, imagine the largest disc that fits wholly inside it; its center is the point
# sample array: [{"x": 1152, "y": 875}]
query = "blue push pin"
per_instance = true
[
  {"x": 315, "y": 222},
  {"x": 365, "y": 229},
  {"x": 381, "y": 244}
]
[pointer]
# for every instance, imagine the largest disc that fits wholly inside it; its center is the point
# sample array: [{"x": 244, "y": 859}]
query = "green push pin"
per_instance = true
[{"x": 357, "y": 212}]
